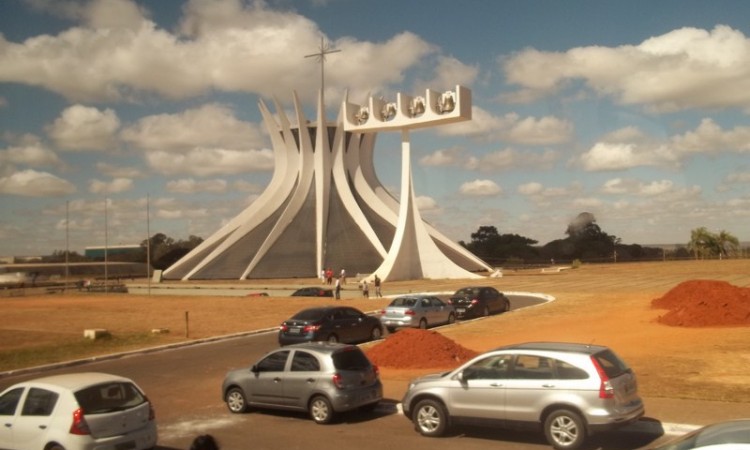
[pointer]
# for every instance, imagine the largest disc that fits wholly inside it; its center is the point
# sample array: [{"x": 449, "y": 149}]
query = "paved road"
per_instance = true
[{"x": 184, "y": 385}]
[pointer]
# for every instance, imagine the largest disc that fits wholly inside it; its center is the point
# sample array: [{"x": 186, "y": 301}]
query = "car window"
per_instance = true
[
  {"x": 350, "y": 358},
  {"x": 351, "y": 313},
  {"x": 274, "y": 362},
  {"x": 425, "y": 303},
  {"x": 437, "y": 302},
  {"x": 309, "y": 314},
  {"x": 39, "y": 402},
  {"x": 610, "y": 363},
  {"x": 532, "y": 367},
  {"x": 567, "y": 371},
  {"x": 108, "y": 397},
  {"x": 304, "y": 362},
  {"x": 403, "y": 301},
  {"x": 490, "y": 368},
  {"x": 9, "y": 401}
]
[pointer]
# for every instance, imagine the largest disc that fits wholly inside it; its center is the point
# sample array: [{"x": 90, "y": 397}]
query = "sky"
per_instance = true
[{"x": 120, "y": 119}]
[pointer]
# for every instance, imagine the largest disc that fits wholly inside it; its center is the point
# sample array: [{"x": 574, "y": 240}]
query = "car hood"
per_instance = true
[{"x": 428, "y": 378}]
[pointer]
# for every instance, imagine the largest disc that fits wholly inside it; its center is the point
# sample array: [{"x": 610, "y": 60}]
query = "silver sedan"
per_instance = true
[{"x": 417, "y": 311}]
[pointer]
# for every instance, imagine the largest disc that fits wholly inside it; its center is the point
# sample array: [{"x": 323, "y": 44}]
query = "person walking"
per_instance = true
[
  {"x": 337, "y": 290},
  {"x": 365, "y": 289},
  {"x": 377, "y": 287}
]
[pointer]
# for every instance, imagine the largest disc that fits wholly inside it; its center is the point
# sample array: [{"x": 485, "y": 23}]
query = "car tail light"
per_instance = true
[
  {"x": 409, "y": 312},
  {"x": 309, "y": 328},
  {"x": 605, "y": 386},
  {"x": 151, "y": 412},
  {"x": 338, "y": 380},
  {"x": 283, "y": 327},
  {"x": 79, "y": 425},
  {"x": 474, "y": 301}
]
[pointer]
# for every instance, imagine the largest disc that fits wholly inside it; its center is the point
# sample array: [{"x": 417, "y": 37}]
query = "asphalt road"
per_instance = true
[{"x": 184, "y": 385}]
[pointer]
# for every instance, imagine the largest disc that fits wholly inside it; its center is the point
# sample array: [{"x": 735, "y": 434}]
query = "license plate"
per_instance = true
[
  {"x": 460, "y": 310},
  {"x": 295, "y": 330}
]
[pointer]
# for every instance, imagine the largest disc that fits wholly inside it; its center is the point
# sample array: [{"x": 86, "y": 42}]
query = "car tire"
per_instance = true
[
  {"x": 376, "y": 334},
  {"x": 564, "y": 429},
  {"x": 451, "y": 318},
  {"x": 332, "y": 338},
  {"x": 55, "y": 447},
  {"x": 430, "y": 418},
  {"x": 321, "y": 410},
  {"x": 423, "y": 324},
  {"x": 236, "y": 401}
]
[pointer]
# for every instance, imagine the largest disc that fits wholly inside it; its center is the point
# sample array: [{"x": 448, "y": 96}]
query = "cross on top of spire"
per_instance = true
[{"x": 323, "y": 50}]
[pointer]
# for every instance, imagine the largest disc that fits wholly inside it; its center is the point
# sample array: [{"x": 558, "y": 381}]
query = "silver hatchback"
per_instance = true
[
  {"x": 319, "y": 377},
  {"x": 567, "y": 390}
]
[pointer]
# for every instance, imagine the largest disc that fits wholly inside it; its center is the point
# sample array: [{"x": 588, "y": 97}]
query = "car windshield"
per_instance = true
[
  {"x": 612, "y": 365},
  {"x": 350, "y": 358},
  {"x": 109, "y": 397},
  {"x": 404, "y": 301},
  {"x": 309, "y": 314}
]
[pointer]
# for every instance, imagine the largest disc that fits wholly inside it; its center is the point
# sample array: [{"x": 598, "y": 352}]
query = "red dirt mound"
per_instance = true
[
  {"x": 411, "y": 348},
  {"x": 705, "y": 303}
]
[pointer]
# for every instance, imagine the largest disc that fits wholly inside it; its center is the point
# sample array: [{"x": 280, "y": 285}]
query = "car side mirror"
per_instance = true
[
  {"x": 460, "y": 377},
  {"x": 255, "y": 369}
]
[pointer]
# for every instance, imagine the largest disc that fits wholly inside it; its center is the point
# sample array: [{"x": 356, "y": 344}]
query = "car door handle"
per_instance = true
[
  {"x": 277, "y": 380},
  {"x": 548, "y": 385},
  {"x": 310, "y": 380},
  {"x": 42, "y": 427},
  {"x": 496, "y": 384}
]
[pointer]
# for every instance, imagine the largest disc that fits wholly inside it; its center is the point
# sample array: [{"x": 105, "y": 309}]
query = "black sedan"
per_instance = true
[
  {"x": 313, "y": 292},
  {"x": 479, "y": 301},
  {"x": 330, "y": 323}
]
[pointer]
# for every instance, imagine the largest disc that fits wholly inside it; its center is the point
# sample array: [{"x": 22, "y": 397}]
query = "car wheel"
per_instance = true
[
  {"x": 332, "y": 339},
  {"x": 430, "y": 418},
  {"x": 423, "y": 324},
  {"x": 564, "y": 430},
  {"x": 236, "y": 401},
  {"x": 55, "y": 447},
  {"x": 376, "y": 333},
  {"x": 451, "y": 318},
  {"x": 321, "y": 410}
]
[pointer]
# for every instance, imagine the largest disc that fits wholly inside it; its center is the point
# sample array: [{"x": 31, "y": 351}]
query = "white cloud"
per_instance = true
[
  {"x": 83, "y": 128},
  {"x": 480, "y": 188},
  {"x": 30, "y": 183},
  {"x": 682, "y": 69},
  {"x": 204, "y": 162},
  {"x": 33, "y": 154},
  {"x": 116, "y": 186},
  {"x": 447, "y": 157},
  {"x": 450, "y": 72},
  {"x": 512, "y": 159},
  {"x": 426, "y": 203},
  {"x": 210, "y": 125},
  {"x": 117, "y": 54},
  {"x": 511, "y": 127},
  {"x": 191, "y": 186}
]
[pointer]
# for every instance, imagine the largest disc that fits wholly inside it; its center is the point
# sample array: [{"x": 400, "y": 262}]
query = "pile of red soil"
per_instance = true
[
  {"x": 411, "y": 348},
  {"x": 705, "y": 303}
]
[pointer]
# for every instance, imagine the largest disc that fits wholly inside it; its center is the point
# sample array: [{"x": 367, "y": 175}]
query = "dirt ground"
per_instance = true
[{"x": 603, "y": 304}]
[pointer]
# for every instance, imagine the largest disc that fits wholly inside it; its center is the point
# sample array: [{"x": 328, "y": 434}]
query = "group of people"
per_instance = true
[{"x": 366, "y": 287}]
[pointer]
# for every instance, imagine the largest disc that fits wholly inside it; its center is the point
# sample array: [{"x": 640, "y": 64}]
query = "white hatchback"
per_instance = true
[{"x": 78, "y": 411}]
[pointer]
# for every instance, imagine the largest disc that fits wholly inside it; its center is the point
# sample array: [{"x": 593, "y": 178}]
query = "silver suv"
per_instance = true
[
  {"x": 319, "y": 377},
  {"x": 569, "y": 390}
]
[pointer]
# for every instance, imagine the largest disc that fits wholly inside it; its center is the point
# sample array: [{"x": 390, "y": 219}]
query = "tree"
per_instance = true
[
  {"x": 705, "y": 244},
  {"x": 165, "y": 251},
  {"x": 487, "y": 243}
]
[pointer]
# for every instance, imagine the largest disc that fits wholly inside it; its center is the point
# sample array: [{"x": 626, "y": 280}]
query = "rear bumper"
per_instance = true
[
  {"x": 355, "y": 398},
  {"x": 611, "y": 422}
]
